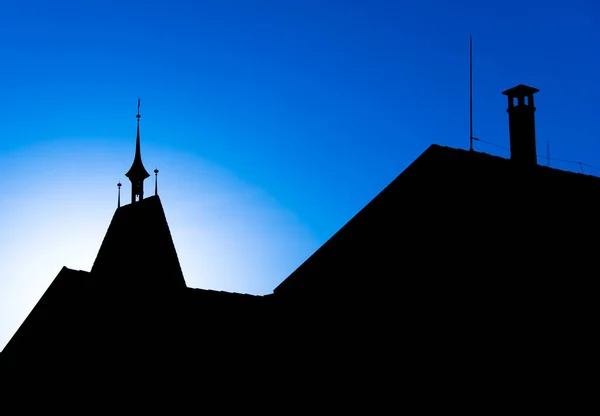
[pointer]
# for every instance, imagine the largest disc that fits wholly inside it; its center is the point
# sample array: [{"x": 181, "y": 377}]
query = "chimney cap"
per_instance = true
[{"x": 520, "y": 91}]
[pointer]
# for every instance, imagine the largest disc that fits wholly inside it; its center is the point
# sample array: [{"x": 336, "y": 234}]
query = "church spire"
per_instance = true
[{"x": 137, "y": 173}]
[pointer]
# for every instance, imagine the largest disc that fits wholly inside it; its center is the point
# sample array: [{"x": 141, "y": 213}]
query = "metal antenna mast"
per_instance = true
[{"x": 471, "y": 92}]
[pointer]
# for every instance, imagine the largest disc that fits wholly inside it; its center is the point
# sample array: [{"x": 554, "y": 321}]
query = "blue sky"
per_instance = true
[{"x": 272, "y": 122}]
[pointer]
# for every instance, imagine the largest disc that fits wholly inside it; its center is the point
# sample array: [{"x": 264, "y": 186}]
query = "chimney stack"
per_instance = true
[{"x": 521, "y": 124}]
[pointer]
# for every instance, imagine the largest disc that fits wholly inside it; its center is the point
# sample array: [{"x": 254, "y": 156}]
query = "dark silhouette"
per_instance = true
[
  {"x": 137, "y": 172},
  {"x": 521, "y": 124},
  {"x": 155, "y": 182},
  {"x": 119, "y": 195},
  {"x": 466, "y": 279}
]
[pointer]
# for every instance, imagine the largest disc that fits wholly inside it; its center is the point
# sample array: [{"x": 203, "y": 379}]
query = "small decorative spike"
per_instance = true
[
  {"x": 119, "y": 197},
  {"x": 155, "y": 182}
]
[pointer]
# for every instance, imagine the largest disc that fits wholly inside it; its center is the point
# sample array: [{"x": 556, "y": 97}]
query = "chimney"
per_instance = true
[{"x": 521, "y": 124}]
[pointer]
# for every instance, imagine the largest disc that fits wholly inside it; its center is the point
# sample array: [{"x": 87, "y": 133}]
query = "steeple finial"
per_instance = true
[
  {"x": 137, "y": 139},
  {"x": 155, "y": 182},
  {"x": 119, "y": 197},
  {"x": 137, "y": 173}
]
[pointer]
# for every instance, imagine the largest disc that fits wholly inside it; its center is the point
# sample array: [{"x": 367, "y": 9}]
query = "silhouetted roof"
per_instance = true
[
  {"x": 434, "y": 218},
  {"x": 138, "y": 249},
  {"x": 59, "y": 313},
  {"x": 465, "y": 264}
]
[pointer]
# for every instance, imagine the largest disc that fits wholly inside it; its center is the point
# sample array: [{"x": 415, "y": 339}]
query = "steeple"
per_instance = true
[
  {"x": 137, "y": 173},
  {"x": 141, "y": 225}
]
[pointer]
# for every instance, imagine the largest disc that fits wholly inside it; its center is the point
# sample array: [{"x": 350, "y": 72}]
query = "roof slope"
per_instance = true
[
  {"x": 84, "y": 332},
  {"x": 451, "y": 216},
  {"x": 59, "y": 314},
  {"x": 138, "y": 250},
  {"x": 482, "y": 266}
]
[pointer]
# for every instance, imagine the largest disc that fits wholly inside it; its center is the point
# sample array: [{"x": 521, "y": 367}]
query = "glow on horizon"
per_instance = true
[{"x": 229, "y": 235}]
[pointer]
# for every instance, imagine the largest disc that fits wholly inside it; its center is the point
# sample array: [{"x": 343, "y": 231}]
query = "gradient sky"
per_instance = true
[{"x": 272, "y": 122}]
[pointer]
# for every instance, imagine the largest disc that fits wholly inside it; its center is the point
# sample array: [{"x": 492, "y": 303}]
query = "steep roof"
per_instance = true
[
  {"x": 81, "y": 327},
  {"x": 58, "y": 315},
  {"x": 138, "y": 249},
  {"x": 455, "y": 213},
  {"x": 465, "y": 264}
]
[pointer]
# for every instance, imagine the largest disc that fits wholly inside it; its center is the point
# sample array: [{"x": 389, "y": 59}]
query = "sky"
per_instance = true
[{"x": 272, "y": 123}]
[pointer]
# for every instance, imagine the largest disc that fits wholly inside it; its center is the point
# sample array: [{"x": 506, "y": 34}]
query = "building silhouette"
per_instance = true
[{"x": 467, "y": 278}]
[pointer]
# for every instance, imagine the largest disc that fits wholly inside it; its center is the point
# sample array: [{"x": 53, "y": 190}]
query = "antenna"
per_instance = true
[
  {"x": 548, "y": 152},
  {"x": 471, "y": 93}
]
